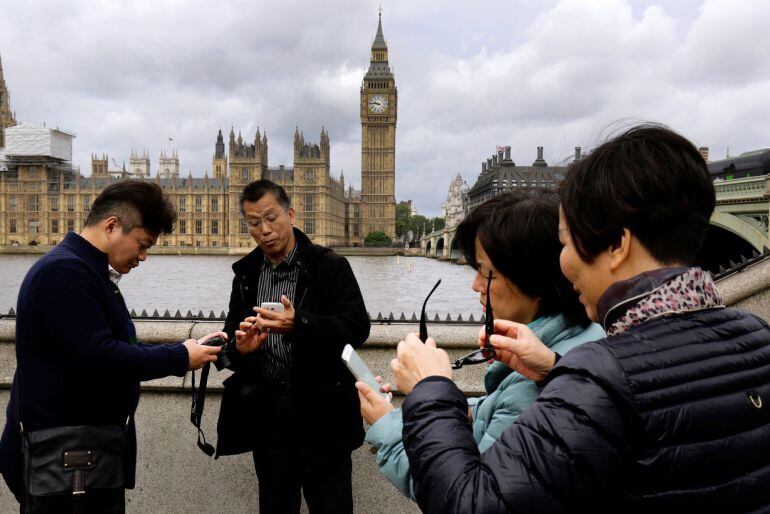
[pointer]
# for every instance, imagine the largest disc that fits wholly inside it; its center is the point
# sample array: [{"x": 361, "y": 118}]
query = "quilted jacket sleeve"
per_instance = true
[{"x": 559, "y": 456}]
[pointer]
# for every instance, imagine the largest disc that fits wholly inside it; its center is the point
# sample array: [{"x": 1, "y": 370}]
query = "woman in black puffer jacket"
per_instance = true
[{"x": 669, "y": 413}]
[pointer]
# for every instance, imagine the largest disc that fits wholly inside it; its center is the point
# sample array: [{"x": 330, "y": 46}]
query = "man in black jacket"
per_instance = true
[
  {"x": 78, "y": 359},
  {"x": 669, "y": 413},
  {"x": 292, "y": 401}
]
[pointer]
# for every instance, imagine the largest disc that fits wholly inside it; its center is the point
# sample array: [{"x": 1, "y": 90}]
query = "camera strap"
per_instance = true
[{"x": 196, "y": 409}]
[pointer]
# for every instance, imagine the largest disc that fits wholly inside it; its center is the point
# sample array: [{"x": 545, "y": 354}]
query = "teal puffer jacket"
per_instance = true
[{"x": 508, "y": 394}]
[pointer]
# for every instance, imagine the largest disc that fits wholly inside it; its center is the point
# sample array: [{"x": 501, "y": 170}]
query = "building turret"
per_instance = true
[
  {"x": 7, "y": 118},
  {"x": 139, "y": 165},
  {"x": 219, "y": 163}
]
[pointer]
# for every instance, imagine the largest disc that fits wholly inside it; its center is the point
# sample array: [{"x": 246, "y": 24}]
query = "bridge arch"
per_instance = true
[
  {"x": 439, "y": 248},
  {"x": 454, "y": 248},
  {"x": 427, "y": 247},
  {"x": 741, "y": 228}
]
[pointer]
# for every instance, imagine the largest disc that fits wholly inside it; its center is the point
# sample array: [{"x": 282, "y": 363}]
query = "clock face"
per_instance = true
[{"x": 378, "y": 103}]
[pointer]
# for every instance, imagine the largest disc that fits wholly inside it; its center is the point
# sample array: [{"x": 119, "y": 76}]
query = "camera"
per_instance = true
[{"x": 223, "y": 360}]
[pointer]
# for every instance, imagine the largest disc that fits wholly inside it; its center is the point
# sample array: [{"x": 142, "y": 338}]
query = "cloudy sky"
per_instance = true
[{"x": 470, "y": 76}]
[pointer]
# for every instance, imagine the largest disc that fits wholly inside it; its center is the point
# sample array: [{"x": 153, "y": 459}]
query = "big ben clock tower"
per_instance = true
[{"x": 379, "y": 104}]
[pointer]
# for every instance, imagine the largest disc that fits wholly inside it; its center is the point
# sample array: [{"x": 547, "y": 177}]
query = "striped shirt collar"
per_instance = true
[
  {"x": 114, "y": 275},
  {"x": 289, "y": 260}
]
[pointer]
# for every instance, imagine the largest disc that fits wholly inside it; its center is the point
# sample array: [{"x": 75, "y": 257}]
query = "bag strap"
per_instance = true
[{"x": 196, "y": 409}]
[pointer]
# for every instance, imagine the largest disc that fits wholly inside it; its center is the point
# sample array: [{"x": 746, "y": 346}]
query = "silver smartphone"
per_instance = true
[
  {"x": 273, "y": 306},
  {"x": 360, "y": 370}
]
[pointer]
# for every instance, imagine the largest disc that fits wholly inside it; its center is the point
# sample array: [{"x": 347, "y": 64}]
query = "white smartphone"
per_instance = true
[
  {"x": 360, "y": 370},
  {"x": 273, "y": 306}
]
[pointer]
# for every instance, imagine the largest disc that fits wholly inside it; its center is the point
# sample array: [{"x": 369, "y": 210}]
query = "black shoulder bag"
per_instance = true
[{"x": 76, "y": 469}]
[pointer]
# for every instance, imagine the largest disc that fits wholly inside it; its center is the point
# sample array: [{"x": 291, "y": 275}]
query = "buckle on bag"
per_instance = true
[{"x": 78, "y": 460}]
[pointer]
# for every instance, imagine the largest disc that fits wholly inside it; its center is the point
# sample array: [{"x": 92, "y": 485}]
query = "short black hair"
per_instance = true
[
  {"x": 254, "y": 191},
  {"x": 136, "y": 203},
  {"x": 519, "y": 230},
  {"x": 649, "y": 180}
]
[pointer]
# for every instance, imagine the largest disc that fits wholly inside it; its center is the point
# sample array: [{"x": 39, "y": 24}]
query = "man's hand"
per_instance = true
[
  {"x": 199, "y": 354},
  {"x": 276, "y": 322},
  {"x": 248, "y": 337},
  {"x": 373, "y": 406},
  {"x": 417, "y": 361},
  {"x": 520, "y": 349}
]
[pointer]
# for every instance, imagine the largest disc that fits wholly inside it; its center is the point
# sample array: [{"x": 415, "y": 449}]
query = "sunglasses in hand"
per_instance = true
[{"x": 482, "y": 354}]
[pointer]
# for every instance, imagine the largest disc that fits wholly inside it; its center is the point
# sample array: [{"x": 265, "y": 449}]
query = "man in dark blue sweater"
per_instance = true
[{"x": 78, "y": 360}]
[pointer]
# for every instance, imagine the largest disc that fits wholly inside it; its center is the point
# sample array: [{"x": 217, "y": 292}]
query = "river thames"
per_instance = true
[{"x": 202, "y": 283}]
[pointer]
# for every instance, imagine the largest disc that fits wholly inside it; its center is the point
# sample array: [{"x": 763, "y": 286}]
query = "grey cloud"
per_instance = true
[{"x": 470, "y": 76}]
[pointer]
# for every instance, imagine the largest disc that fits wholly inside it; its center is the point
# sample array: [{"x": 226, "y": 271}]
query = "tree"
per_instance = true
[
  {"x": 403, "y": 215},
  {"x": 438, "y": 223},
  {"x": 377, "y": 238},
  {"x": 417, "y": 222}
]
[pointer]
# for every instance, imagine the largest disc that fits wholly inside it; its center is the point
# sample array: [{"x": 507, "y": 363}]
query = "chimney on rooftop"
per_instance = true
[
  {"x": 507, "y": 153},
  {"x": 494, "y": 159},
  {"x": 483, "y": 167},
  {"x": 540, "y": 162},
  {"x": 704, "y": 151},
  {"x": 578, "y": 153}
]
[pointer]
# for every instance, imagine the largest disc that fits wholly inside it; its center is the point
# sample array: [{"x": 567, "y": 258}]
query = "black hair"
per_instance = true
[
  {"x": 519, "y": 231},
  {"x": 649, "y": 180},
  {"x": 254, "y": 191},
  {"x": 136, "y": 203}
]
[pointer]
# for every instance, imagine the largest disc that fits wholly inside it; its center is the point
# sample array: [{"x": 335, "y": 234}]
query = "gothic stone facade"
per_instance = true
[{"x": 41, "y": 200}]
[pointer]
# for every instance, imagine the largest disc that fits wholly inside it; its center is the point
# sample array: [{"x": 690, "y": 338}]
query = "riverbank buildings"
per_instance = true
[
  {"x": 42, "y": 197},
  {"x": 500, "y": 174}
]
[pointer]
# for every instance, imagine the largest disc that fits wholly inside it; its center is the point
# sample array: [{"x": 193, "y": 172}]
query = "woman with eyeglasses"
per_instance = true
[{"x": 512, "y": 238}]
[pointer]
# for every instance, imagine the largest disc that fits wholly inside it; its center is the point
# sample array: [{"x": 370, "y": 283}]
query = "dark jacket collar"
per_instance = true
[
  {"x": 621, "y": 295},
  {"x": 307, "y": 254},
  {"x": 95, "y": 258}
]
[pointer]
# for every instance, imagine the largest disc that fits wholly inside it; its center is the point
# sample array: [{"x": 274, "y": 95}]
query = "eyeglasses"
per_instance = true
[
  {"x": 270, "y": 218},
  {"x": 488, "y": 352},
  {"x": 423, "y": 325}
]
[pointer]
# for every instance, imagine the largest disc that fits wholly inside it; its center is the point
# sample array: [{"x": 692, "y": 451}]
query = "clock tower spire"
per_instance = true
[{"x": 379, "y": 103}]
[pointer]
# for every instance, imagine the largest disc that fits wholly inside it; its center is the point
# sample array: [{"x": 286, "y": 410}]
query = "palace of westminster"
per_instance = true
[{"x": 42, "y": 197}]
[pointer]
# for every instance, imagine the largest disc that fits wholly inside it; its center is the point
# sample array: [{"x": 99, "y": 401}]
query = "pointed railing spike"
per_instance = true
[
  {"x": 390, "y": 316},
  {"x": 379, "y": 316},
  {"x": 222, "y": 315},
  {"x": 143, "y": 314},
  {"x": 483, "y": 318},
  {"x": 189, "y": 314},
  {"x": 166, "y": 314},
  {"x": 403, "y": 317},
  {"x": 470, "y": 319},
  {"x": 155, "y": 313},
  {"x": 200, "y": 314},
  {"x": 212, "y": 315},
  {"x": 178, "y": 314},
  {"x": 437, "y": 318},
  {"x": 414, "y": 316},
  {"x": 459, "y": 318},
  {"x": 12, "y": 312},
  {"x": 448, "y": 317}
]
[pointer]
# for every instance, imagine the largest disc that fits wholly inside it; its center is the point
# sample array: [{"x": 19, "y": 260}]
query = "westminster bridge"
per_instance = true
[{"x": 739, "y": 225}]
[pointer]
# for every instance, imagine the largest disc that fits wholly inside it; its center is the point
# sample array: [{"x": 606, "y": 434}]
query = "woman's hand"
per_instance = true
[
  {"x": 520, "y": 349},
  {"x": 417, "y": 360},
  {"x": 373, "y": 406}
]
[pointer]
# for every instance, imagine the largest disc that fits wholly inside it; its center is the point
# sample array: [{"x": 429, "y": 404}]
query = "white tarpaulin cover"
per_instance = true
[{"x": 37, "y": 141}]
